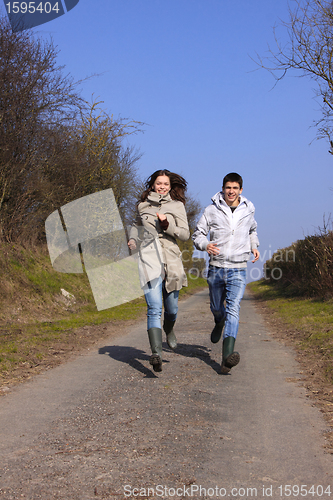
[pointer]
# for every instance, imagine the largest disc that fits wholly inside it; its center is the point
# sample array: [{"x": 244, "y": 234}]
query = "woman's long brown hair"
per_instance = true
[{"x": 177, "y": 182}]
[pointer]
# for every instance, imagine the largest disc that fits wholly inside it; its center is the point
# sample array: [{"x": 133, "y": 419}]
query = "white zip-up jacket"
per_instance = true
[{"x": 235, "y": 233}]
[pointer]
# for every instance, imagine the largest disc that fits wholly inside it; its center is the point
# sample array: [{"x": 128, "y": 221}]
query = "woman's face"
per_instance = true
[{"x": 162, "y": 184}]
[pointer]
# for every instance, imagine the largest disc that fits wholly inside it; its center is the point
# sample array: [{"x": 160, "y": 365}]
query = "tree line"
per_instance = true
[
  {"x": 54, "y": 146},
  {"x": 306, "y": 267}
]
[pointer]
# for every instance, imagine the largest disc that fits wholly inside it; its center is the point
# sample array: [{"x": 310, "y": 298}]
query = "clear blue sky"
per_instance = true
[{"x": 184, "y": 68}]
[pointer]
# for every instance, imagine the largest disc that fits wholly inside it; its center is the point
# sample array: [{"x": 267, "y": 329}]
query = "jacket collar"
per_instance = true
[
  {"x": 220, "y": 202},
  {"x": 154, "y": 197}
]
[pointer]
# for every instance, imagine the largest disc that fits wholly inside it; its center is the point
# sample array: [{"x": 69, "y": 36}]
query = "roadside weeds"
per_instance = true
[
  {"x": 29, "y": 349},
  {"x": 305, "y": 325}
]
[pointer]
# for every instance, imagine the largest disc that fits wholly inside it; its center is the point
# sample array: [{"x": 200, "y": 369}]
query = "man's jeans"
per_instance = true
[
  {"x": 226, "y": 285},
  {"x": 154, "y": 290}
]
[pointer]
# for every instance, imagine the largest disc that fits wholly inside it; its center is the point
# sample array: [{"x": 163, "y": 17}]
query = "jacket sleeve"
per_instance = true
[
  {"x": 253, "y": 234},
  {"x": 178, "y": 224},
  {"x": 134, "y": 231},
  {"x": 200, "y": 234}
]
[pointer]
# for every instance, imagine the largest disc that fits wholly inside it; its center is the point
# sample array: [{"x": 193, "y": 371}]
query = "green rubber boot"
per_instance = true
[
  {"x": 170, "y": 334},
  {"x": 217, "y": 332},
  {"x": 230, "y": 357},
  {"x": 155, "y": 340}
]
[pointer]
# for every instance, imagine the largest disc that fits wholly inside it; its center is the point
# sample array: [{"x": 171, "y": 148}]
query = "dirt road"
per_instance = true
[{"x": 104, "y": 426}]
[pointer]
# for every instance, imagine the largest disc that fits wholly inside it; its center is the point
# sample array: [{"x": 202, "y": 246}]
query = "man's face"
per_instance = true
[{"x": 231, "y": 193}]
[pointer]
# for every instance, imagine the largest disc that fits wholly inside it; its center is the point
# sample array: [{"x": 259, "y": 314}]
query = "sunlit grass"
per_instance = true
[
  {"x": 310, "y": 320},
  {"x": 35, "y": 319}
]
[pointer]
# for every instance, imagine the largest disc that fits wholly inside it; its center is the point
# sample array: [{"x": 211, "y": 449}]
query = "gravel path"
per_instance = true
[{"x": 104, "y": 426}]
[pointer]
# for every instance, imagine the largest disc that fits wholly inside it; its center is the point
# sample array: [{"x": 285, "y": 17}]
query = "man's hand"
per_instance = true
[
  {"x": 212, "y": 249},
  {"x": 256, "y": 254}
]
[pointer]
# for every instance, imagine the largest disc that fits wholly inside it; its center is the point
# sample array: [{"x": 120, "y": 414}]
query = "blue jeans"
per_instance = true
[
  {"x": 226, "y": 285},
  {"x": 154, "y": 292}
]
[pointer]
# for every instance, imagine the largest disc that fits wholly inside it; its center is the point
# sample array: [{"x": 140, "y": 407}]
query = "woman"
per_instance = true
[{"x": 162, "y": 217}]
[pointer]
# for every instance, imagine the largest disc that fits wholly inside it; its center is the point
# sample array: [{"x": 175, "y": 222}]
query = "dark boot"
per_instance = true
[
  {"x": 170, "y": 334},
  {"x": 217, "y": 332},
  {"x": 230, "y": 357},
  {"x": 155, "y": 340}
]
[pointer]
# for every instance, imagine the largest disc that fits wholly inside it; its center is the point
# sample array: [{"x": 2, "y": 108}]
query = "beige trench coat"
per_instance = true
[{"x": 147, "y": 228}]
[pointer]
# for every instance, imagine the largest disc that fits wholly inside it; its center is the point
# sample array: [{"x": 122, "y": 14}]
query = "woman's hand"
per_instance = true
[
  {"x": 131, "y": 244},
  {"x": 164, "y": 223},
  {"x": 161, "y": 217}
]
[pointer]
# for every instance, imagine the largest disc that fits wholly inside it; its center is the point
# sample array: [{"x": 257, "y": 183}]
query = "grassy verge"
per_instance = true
[
  {"x": 306, "y": 323},
  {"x": 307, "y": 326},
  {"x": 40, "y": 327}
]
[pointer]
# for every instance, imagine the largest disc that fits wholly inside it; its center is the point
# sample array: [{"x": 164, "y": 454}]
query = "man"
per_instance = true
[{"x": 233, "y": 236}]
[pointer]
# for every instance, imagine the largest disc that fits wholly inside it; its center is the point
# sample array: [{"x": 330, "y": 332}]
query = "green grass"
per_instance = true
[
  {"x": 309, "y": 321},
  {"x": 35, "y": 319},
  {"x": 193, "y": 284}
]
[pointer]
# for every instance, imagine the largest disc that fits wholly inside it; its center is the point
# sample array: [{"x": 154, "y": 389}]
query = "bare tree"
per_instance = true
[
  {"x": 102, "y": 159},
  {"x": 54, "y": 146},
  {"x": 309, "y": 50},
  {"x": 35, "y": 94},
  {"x": 82, "y": 158}
]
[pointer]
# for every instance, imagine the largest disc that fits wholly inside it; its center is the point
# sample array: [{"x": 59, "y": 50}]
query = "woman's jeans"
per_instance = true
[
  {"x": 226, "y": 285},
  {"x": 154, "y": 291}
]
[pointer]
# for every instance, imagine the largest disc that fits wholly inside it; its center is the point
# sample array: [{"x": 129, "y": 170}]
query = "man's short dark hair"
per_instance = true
[{"x": 233, "y": 177}]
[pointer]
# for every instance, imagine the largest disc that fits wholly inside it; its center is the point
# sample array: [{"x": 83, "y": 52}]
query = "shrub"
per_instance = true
[{"x": 310, "y": 270}]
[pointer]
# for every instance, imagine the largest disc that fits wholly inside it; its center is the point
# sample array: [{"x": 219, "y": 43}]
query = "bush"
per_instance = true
[{"x": 306, "y": 267}]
